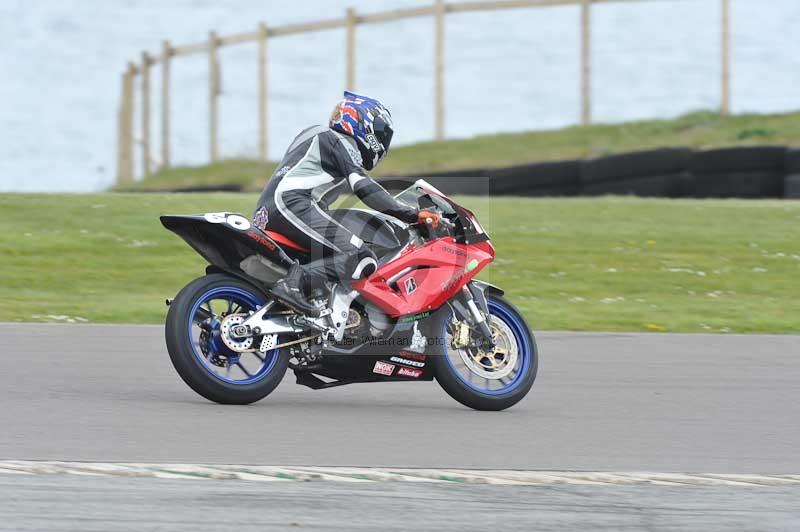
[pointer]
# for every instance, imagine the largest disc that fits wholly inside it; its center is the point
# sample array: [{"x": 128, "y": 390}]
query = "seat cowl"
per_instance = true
[{"x": 284, "y": 240}]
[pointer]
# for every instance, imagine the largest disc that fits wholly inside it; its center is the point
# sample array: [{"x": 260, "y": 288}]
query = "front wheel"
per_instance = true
[
  {"x": 486, "y": 380},
  {"x": 198, "y": 318}
]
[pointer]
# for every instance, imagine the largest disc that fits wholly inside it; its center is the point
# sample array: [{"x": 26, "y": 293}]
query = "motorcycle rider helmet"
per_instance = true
[{"x": 368, "y": 122}]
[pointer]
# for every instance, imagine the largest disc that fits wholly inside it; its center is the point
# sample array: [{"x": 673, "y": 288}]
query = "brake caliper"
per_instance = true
[{"x": 460, "y": 335}]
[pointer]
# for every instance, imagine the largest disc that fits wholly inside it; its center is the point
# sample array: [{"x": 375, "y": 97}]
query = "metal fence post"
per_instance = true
[
  {"x": 213, "y": 92},
  {"x": 263, "y": 93},
  {"x": 441, "y": 10},
  {"x": 145, "y": 114},
  {"x": 586, "y": 62},
  {"x": 725, "y": 103},
  {"x": 350, "y": 49},
  {"x": 166, "y": 53}
]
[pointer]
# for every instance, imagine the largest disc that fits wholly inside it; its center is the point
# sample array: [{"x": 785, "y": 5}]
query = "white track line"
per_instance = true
[{"x": 390, "y": 474}]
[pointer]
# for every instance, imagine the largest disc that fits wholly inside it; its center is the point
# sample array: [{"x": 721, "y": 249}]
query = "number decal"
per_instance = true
[
  {"x": 215, "y": 217},
  {"x": 236, "y": 221}
]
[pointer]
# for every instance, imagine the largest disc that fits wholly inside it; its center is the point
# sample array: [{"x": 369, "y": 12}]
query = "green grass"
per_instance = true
[
  {"x": 609, "y": 264},
  {"x": 695, "y": 130}
]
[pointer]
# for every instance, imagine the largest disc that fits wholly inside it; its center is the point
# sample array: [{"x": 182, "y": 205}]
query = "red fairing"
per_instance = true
[{"x": 436, "y": 271}]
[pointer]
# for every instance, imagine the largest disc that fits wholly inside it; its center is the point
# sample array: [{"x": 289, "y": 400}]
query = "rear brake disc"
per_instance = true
[{"x": 227, "y": 330}]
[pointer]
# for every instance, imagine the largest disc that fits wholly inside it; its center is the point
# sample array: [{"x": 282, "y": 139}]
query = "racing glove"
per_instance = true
[{"x": 429, "y": 218}]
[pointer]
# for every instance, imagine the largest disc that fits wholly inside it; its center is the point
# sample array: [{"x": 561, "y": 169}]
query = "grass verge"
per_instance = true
[
  {"x": 700, "y": 130},
  {"x": 602, "y": 264}
]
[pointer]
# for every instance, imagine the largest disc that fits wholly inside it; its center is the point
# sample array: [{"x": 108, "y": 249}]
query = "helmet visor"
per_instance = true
[{"x": 383, "y": 132}]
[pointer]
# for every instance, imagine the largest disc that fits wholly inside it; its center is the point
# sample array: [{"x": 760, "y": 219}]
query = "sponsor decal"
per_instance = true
[
  {"x": 261, "y": 218},
  {"x": 383, "y": 368},
  {"x": 414, "y": 317},
  {"x": 261, "y": 240},
  {"x": 408, "y": 362},
  {"x": 452, "y": 282},
  {"x": 282, "y": 171},
  {"x": 413, "y": 356},
  {"x": 373, "y": 143},
  {"x": 355, "y": 155},
  {"x": 453, "y": 251},
  {"x": 408, "y": 372},
  {"x": 411, "y": 285}
]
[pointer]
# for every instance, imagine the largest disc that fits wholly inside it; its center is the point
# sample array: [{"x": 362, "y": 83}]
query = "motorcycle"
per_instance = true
[{"x": 421, "y": 315}]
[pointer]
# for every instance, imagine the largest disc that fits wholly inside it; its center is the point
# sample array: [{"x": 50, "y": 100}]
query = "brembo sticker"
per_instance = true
[{"x": 407, "y": 362}]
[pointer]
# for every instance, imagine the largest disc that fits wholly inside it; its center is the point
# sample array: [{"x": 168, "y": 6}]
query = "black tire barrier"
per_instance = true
[
  {"x": 792, "y": 165},
  {"x": 748, "y": 172},
  {"x": 660, "y": 162},
  {"x": 792, "y": 187},
  {"x": 547, "y": 192},
  {"x": 552, "y": 178},
  {"x": 738, "y": 185},
  {"x": 666, "y": 186},
  {"x": 471, "y": 185},
  {"x": 755, "y": 158}
]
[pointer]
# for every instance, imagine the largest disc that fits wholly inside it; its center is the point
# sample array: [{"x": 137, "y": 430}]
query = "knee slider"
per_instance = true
[{"x": 366, "y": 264}]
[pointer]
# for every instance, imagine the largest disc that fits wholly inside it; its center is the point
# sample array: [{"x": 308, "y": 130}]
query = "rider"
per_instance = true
[{"x": 319, "y": 164}]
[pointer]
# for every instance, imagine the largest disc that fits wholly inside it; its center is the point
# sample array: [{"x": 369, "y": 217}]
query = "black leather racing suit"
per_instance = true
[{"x": 319, "y": 164}]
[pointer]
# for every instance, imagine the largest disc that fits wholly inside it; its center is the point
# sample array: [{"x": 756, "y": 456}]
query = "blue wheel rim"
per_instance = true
[
  {"x": 250, "y": 372},
  {"x": 525, "y": 349}
]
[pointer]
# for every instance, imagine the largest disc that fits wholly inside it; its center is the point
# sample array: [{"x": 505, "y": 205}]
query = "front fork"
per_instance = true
[{"x": 474, "y": 310}]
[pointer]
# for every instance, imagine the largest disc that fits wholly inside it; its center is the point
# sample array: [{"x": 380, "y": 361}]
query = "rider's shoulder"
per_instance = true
[{"x": 344, "y": 144}]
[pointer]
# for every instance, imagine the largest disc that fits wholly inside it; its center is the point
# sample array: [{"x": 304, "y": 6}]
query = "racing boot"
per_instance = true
[{"x": 290, "y": 291}]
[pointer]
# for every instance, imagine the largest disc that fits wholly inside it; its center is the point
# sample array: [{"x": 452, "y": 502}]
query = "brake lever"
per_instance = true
[{"x": 447, "y": 223}]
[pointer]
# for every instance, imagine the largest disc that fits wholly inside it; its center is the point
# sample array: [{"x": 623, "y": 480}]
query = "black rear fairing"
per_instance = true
[{"x": 231, "y": 243}]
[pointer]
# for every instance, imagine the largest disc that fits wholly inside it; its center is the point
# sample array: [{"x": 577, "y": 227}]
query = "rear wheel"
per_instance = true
[
  {"x": 488, "y": 380},
  {"x": 202, "y": 351}
]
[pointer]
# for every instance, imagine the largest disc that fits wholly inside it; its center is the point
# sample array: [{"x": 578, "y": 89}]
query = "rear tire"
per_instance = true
[
  {"x": 464, "y": 387},
  {"x": 186, "y": 360}
]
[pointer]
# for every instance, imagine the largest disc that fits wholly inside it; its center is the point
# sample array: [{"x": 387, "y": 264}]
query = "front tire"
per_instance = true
[
  {"x": 493, "y": 382},
  {"x": 200, "y": 356}
]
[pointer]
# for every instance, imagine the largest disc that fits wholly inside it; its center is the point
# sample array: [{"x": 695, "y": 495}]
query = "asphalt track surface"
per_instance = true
[
  {"x": 93, "y": 504},
  {"x": 602, "y": 402}
]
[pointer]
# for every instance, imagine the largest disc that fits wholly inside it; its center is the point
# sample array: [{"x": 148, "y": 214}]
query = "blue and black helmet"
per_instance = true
[{"x": 368, "y": 122}]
